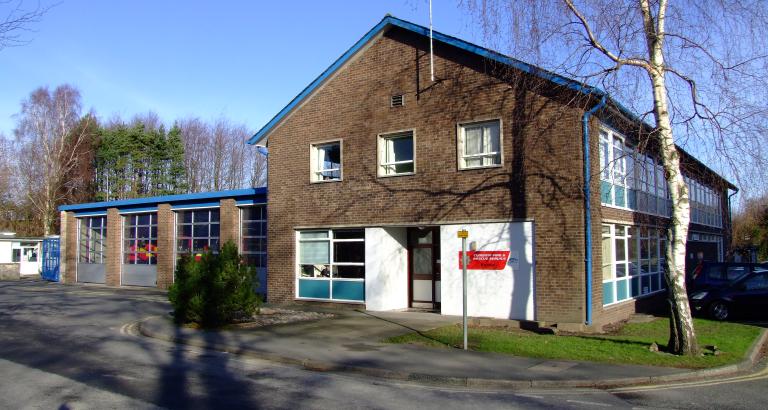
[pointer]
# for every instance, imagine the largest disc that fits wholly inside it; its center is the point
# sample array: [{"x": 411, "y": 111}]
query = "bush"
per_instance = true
[{"x": 213, "y": 290}]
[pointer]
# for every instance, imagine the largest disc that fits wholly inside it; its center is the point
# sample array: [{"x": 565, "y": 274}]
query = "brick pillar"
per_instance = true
[
  {"x": 68, "y": 250},
  {"x": 230, "y": 222},
  {"x": 113, "y": 257},
  {"x": 166, "y": 224}
]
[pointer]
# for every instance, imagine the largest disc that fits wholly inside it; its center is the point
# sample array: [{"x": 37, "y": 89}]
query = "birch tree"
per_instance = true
[
  {"x": 696, "y": 68},
  {"x": 49, "y": 150}
]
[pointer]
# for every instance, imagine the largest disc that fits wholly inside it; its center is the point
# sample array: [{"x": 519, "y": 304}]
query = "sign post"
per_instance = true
[{"x": 464, "y": 234}]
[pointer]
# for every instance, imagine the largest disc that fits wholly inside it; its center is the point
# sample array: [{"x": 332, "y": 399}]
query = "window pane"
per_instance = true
[
  {"x": 184, "y": 231},
  {"x": 607, "y": 258},
  {"x": 214, "y": 215},
  {"x": 315, "y": 271},
  {"x": 349, "y": 234},
  {"x": 621, "y": 254},
  {"x": 314, "y": 235},
  {"x": 399, "y": 149},
  {"x": 214, "y": 231},
  {"x": 142, "y": 232},
  {"x": 349, "y": 252},
  {"x": 200, "y": 245},
  {"x": 329, "y": 156},
  {"x": 473, "y": 140},
  {"x": 252, "y": 213},
  {"x": 314, "y": 252},
  {"x": 349, "y": 272},
  {"x": 185, "y": 216},
  {"x": 201, "y": 216},
  {"x": 143, "y": 219},
  {"x": 200, "y": 231}
]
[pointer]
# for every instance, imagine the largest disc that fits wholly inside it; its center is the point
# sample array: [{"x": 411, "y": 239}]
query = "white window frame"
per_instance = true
[
  {"x": 179, "y": 222},
  {"x": 315, "y": 173},
  {"x": 383, "y": 166},
  {"x": 103, "y": 245},
  {"x": 634, "y": 236},
  {"x": 331, "y": 263},
  {"x": 460, "y": 147},
  {"x": 242, "y": 237}
]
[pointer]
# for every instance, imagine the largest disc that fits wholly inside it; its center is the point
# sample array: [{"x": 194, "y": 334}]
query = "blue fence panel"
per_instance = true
[{"x": 51, "y": 259}]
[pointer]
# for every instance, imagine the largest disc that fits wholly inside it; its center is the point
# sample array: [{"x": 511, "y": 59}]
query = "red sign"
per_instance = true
[{"x": 485, "y": 260}]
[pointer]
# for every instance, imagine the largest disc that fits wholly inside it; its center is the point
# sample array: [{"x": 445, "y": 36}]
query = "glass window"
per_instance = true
[
  {"x": 634, "y": 252},
  {"x": 331, "y": 264},
  {"x": 140, "y": 239},
  {"x": 479, "y": 145},
  {"x": 325, "y": 161},
  {"x": 253, "y": 235},
  {"x": 16, "y": 255},
  {"x": 93, "y": 239},
  {"x": 396, "y": 154},
  {"x": 197, "y": 231}
]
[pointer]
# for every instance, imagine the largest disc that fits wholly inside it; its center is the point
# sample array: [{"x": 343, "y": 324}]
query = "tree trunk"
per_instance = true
[{"x": 682, "y": 336}]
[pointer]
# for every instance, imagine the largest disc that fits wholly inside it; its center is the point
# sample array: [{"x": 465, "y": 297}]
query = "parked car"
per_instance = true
[
  {"x": 746, "y": 296},
  {"x": 718, "y": 274}
]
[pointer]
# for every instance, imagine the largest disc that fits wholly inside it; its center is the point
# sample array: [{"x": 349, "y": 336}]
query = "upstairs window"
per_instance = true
[
  {"x": 325, "y": 161},
  {"x": 396, "y": 154},
  {"x": 479, "y": 145}
]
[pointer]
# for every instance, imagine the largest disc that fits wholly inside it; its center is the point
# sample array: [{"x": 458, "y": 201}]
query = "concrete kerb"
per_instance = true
[{"x": 748, "y": 363}]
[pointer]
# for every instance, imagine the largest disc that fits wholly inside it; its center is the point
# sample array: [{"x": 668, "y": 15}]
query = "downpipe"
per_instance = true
[{"x": 588, "y": 207}]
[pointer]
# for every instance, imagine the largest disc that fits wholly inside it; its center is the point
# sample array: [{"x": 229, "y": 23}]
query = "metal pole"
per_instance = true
[{"x": 464, "y": 287}]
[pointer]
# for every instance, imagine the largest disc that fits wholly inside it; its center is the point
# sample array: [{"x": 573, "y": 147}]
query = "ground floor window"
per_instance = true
[
  {"x": 253, "y": 235},
  {"x": 197, "y": 232},
  {"x": 331, "y": 265},
  {"x": 140, "y": 239},
  {"x": 633, "y": 261},
  {"x": 93, "y": 238}
]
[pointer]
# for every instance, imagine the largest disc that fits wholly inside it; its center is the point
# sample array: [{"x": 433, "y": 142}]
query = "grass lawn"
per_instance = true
[{"x": 627, "y": 346}]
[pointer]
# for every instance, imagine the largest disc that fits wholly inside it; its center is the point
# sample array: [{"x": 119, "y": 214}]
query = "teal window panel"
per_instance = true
[
  {"x": 620, "y": 198},
  {"x": 605, "y": 192},
  {"x": 621, "y": 290},
  {"x": 315, "y": 289},
  {"x": 607, "y": 293},
  {"x": 635, "y": 287},
  {"x": 349, "y": 290},
  {"x": 631, "y": 199}
]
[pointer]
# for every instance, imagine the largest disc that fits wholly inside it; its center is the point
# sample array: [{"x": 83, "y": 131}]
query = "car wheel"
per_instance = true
[{"x": 719, "y": 310}]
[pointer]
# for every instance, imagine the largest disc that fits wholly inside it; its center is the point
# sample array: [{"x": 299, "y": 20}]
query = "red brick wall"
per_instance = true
[
  {"x": 113, "y": 253},
  {"x": 540, "y": 179},
  {"x": 229, "y": 226},
  {"x": 165, "y": 246},
  {"x": 68, "y": 234}
]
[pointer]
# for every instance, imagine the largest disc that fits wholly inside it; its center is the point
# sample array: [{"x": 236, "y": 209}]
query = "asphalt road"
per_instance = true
[{"x": 70, "y": 347}]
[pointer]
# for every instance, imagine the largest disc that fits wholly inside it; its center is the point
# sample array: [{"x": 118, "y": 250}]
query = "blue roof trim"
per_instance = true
[
  {"x": 196, "y": 205},
  {"x": 249, "y": 202},
  {"x": 137, "y": 209},
  {"x": 91, "y": 213},
  {"x": 201, "y": 196}
]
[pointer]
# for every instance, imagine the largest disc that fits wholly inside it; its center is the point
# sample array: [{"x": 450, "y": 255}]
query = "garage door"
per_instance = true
[{"x": 92, "y": 250}]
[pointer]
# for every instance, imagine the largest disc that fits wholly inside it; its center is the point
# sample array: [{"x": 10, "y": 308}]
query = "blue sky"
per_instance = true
[{"x": 244, "y": 60}]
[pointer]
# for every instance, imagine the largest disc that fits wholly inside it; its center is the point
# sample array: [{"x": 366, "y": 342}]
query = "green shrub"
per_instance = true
[{"x": 214, "y": 290}]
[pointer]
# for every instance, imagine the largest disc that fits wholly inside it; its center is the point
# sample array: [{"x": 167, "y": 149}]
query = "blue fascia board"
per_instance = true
[
  {"x": 91, "y": 213},
  {"x": 132, "y": 209},
  {"x": 188, "y": 205},
  {"x": 170, "y": 199}
]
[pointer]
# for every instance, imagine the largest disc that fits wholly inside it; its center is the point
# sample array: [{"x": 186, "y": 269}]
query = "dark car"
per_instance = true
[
  {"x": 746, "y": 296},
  {"x": 718, "y": 274}
]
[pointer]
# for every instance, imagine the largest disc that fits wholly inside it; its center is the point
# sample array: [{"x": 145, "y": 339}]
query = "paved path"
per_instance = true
[
  {"x": 68, "y": 347},
  {"x": 352, "y": 342}
]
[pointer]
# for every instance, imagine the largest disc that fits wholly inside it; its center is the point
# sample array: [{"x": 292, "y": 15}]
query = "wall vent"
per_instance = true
[{"x": 397, "y": 100}]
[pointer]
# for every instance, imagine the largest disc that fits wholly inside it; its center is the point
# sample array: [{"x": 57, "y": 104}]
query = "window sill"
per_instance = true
[
  {"x": 481, "y": 167},
  {"x": 325, "y": 181},
  {"x": 404, "y": 174},
  {"x": 350, "y": 302}
]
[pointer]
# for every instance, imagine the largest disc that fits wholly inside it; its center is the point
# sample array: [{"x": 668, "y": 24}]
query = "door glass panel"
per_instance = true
[
  {"x": 422, "y": 261},
  {"x": 424, "y": 237}
]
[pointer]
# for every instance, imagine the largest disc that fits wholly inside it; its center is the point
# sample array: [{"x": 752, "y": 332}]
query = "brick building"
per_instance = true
[{"x": 375, "y": 166}]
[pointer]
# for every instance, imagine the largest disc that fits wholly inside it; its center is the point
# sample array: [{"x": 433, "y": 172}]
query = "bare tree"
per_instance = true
[
  {"x": 697, "y": 67},
  {"x": 16, "y": 21},
  {"x": 217, "y": 156},
  {"x": 49, "y": 150}
]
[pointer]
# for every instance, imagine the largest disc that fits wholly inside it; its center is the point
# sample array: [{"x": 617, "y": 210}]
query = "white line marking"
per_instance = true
[{"x": 532, "y": 396}]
